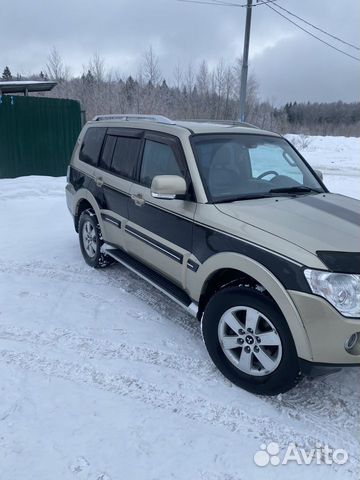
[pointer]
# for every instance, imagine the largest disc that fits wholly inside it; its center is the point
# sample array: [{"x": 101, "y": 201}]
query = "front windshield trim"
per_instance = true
[{"x": 197, "y": 137}]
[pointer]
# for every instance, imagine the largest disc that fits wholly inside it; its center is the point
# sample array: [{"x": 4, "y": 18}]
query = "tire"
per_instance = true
[
  {"x": 263, "y": 361},
  {"x": 91, "y": 241}
]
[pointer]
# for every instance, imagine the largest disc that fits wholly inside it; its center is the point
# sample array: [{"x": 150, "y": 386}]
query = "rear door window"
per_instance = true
[
  {"x": 125, "y": 156},
  {"x": 92, "y": 143}
]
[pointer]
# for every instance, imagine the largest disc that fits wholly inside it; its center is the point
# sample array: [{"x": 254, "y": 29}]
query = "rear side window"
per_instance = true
[
  {"x": 92, "y": 143},
  {"x": 125, "y": 156},
  {"x": 107, "y": 152},
  {"x": 158, "y": 159}
]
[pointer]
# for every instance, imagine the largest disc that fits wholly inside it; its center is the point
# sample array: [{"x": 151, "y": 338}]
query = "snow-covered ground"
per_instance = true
[
  {"x": 102, "y": 377},
  {"x": 337, "y": 157}
]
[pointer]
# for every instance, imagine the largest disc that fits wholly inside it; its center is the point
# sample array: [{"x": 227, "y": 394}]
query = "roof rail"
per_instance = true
[
  {"x": 234, "y": 123},
  {"x": 134, "y": 117}
]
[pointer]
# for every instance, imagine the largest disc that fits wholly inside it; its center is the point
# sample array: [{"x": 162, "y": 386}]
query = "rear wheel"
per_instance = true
[
  {"x": 91, "y": 241},
  {"x": 250, "y": 342}
]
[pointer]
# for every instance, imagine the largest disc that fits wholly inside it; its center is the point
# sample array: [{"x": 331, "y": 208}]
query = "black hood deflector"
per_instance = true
[{"x": 341, "y": 262}]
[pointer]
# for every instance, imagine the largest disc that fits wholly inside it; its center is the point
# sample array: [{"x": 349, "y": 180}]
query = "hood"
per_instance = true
[{"x": 315, "y": 223}]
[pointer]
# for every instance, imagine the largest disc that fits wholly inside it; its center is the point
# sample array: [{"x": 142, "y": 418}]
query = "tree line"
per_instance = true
[{"x": 199, "y": 92}]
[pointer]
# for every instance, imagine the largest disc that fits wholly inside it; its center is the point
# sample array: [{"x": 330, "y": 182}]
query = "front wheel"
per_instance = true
[
  {"x": 91, "y": 241},
  {"x": 248, "y": 339}
]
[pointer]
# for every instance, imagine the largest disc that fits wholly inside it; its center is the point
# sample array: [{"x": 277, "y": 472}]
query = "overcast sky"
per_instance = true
[{"x": 288, "y": 64}]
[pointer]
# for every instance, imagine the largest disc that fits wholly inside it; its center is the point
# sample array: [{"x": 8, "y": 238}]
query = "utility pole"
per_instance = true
[{"x": 245, "y": 65}]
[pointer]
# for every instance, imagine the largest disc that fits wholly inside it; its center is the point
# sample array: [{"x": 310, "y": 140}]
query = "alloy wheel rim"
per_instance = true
[
  {"x": 89, "y": 239},
  {"x": 250, "y": 341}
]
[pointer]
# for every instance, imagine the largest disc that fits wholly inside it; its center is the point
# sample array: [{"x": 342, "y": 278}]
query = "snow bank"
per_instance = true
[{"x": 337, "y": 157}]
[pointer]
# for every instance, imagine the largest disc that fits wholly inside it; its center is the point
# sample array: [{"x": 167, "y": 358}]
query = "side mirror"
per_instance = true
[
  {"x": 319, "y": 174},
  {"x": 168, "y": 187}
]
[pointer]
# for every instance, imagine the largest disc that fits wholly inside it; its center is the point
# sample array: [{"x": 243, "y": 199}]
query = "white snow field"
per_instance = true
[{"x": 102, "y": 377}]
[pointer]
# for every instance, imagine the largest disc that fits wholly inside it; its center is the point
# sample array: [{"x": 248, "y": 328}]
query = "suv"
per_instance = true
[{"x": 233, "y": 224}]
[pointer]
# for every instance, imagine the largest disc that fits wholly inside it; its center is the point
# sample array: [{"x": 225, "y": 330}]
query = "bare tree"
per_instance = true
[
  {"x": 228, "y": 91},
  {"x": 201, "y": 92},
  {"x": 178, "y": 75},
  {"x": 202, "y": 79},
  {"x": 151, "y": 68},
  {"x": 56, "y": 70},
  {"x": 190, "y": 78},
  {"x": 97, "y": 67}
]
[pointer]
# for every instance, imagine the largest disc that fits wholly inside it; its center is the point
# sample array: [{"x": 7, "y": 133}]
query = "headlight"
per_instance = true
[{"x": 340, "y": 289}]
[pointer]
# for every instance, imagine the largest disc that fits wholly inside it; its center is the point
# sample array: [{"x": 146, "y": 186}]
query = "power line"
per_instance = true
[
  {"x": 249, "y": 6},
  {"x": 311, "y": 34},
  {"x": 229, "y": 4},
  {"x": 202, "y": 2},
  {"x": 318, "y": 28},
  {"x": 225, "y": 4}
]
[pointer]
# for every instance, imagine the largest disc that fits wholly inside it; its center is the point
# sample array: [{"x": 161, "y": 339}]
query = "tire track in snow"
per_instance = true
[
  {"x": 104, "y": 349},
  {"x": 195, "y": 408},
  {"x": 303, "y": 404},
  {"x": 118, "y": 277},
  {"x": 312, "y": 403},
  {"x": 324, "y": 410}
]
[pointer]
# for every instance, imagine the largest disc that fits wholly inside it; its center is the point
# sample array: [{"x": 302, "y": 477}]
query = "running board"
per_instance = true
[{"x": 155, "y": 279}]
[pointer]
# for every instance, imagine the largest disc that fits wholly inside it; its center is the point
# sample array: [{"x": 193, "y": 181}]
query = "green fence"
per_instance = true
[{"x": 37, "y": 135}]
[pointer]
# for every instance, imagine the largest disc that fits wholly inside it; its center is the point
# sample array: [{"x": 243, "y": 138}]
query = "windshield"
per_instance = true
[{"x": 239, "y": 166}]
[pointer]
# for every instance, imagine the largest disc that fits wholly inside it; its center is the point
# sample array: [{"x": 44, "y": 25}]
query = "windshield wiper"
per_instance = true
[
  {"x": 271, "y": 193},
  {"x": 246, "y": 196},
  {"x": 297, "y": 189}
]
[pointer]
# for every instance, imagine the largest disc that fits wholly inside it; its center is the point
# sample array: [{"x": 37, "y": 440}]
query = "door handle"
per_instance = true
[
  {"x": 138, "y": 199},
  {"x": 99, "y": 181}
]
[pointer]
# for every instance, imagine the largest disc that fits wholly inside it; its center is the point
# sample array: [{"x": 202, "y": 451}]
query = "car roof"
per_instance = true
[
  {"x": 199, "y": 127},
  {"x": 164, "y": 124}
]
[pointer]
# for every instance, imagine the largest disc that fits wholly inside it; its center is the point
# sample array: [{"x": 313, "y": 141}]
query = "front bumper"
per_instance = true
[
  {"x": 314, "y": 369},
  {"x": 327, "y": 331}
]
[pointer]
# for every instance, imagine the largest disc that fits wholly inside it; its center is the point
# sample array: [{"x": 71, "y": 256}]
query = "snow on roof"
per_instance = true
[{"x": 26, "y": 86}]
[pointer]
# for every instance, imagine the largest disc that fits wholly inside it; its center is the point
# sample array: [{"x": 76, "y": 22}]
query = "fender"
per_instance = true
[
  {"x": 84, "y": 194},
  {"x": 197, "y": 281}
]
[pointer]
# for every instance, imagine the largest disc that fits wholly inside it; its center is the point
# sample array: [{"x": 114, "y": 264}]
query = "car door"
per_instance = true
[
  {"x": 115, "y": 173},
  {"x": 159, "y": 231}
]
